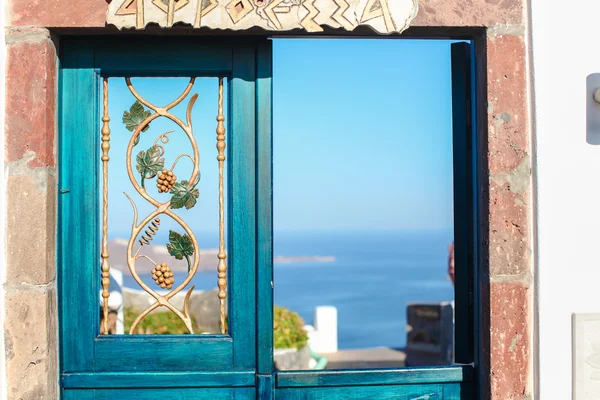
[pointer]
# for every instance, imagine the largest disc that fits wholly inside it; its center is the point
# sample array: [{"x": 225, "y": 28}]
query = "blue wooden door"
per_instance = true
[
  {"x": 211, "y": 366},
  {"x": 239, "y": 363}
]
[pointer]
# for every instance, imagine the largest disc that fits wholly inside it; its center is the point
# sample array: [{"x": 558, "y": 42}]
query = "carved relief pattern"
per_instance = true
[{"x": 383, "y": 16}]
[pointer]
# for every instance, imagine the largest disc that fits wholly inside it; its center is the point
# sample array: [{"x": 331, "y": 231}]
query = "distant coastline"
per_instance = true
[
  {"x": 302, "y": 259},
  {"x": 208, "y": 258}
]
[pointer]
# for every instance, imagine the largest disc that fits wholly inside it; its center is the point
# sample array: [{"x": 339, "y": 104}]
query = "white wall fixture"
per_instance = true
[
  {"x": 586, "y": 356},
  {"x": 384, "y": 16},
  {"x": 597, "y": 96},
  {"x": 593, "y": 109}
]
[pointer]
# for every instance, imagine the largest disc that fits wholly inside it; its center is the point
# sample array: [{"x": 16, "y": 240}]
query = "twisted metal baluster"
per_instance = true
[
  {"x": 222, "y": 267},
  {"x": 104, "y": 255}
]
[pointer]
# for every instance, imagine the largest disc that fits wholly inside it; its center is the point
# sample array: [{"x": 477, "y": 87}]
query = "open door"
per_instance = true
[{"x": 455, "y": 381}]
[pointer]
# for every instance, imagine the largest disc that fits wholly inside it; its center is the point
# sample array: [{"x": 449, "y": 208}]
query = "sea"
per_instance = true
[{"x": 375, "y": 275}]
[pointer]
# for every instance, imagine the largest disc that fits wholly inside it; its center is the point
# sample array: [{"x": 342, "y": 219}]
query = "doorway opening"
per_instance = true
[{"x": 364, "y": 212}]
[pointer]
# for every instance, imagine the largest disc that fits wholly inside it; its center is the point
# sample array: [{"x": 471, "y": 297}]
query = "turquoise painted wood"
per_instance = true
[
  {"x": 187, "y": 379},
  {"x": 264, "y": 185},
  {"x": 242, "y": 206},
  {"x": 265, "y": 388},
  {"x": 424, "y": 391},
  {"x": 234, "y": 366},
  {"x": 174, "y": 366},
  {"x": 165, "y": 56},
  {"x": 142, "y": 352},
  {"x": 166, "y": 394},
  {"x": 405, "y": 383},
  {"x": 81, "y": 394},
  {"x": 78, "y": 205},
  {"x": 404, "y": 376},
  {"x": 413, "y": 392}
]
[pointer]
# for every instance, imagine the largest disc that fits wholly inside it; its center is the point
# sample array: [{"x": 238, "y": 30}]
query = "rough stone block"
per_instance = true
[
  {"x": 31, "y": 346},
  {"x": 57, "y": 13},
  {"x": 509, "y": 341},
  {"x": 31, "y": 225},
  {"x": 30, "y": 96},
  {"x": 469, "y": 12},
  {"x": 508, "y": 156},
  {"x": 509, "y": 234},
  {"x": 508, "y": 119}
]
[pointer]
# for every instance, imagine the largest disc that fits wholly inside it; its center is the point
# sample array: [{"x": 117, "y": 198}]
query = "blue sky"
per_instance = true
[
  {"x": 362, "y": 134},
  {"x": 362, "y": 137},
  {"x": 204, "y": 216}
]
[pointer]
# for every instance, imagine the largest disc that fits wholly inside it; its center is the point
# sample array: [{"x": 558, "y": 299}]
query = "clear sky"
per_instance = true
[
  {"x": 362, "y": 134},
  {"x": 362, "y": 137},
  {"x": 161, "y": 91}
]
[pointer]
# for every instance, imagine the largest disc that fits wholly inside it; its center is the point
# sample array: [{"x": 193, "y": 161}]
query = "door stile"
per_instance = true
[
  {"x": 77, "y": 201},
  {"x": 242, "y": 208},
  {"x": 264, "y": 200},
  {"x": 264, "y": 216}
]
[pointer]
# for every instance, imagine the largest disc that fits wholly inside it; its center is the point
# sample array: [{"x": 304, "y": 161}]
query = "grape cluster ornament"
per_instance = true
[
  {"x": 163, "y": 276},
  {"x": 166, "y": 180}
]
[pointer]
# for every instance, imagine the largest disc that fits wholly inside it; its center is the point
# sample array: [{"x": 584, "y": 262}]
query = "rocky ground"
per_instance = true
[
  {"x": 208, "y": 258},
  {"x": 158, "y": 253}
]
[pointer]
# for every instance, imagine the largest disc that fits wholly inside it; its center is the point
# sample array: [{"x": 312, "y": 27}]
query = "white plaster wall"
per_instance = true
[{"x": 566, "y": 49}]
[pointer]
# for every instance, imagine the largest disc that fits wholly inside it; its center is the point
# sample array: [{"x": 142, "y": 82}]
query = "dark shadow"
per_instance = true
[
  {"x": 592, "y": 110},
  {"x": 482, "y": 261}
]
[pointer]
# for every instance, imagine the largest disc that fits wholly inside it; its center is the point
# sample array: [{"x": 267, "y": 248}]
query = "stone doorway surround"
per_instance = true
[{"x": 500, "y": 30}]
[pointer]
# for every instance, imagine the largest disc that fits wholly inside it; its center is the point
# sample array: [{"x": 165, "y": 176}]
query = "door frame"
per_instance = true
[{"x": 454, "y": 382}]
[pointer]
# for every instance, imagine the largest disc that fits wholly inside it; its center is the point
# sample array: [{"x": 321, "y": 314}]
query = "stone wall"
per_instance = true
[
  {"x": 30, "y": 136},
  {"x": 30, "y": 329}
]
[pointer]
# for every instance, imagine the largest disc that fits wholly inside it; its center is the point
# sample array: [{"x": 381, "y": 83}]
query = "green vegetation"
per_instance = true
[
  {"x": 288, "y": 329},
  {"x": 164, "y": 323}
]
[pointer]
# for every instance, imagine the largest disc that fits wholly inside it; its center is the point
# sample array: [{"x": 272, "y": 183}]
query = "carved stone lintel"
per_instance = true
[{"x": 383, "y": 16}]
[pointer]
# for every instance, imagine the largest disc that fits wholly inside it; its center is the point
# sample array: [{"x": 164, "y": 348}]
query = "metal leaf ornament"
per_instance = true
[
  {"x": 180, "y": 246},
  {"x": 134, "y": 117},
  {"x": 184, "y": 195},
  {"x": 149, "y": 163}
]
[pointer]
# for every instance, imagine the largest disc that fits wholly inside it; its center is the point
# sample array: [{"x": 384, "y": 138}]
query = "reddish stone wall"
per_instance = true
[
  {"x": 509, "y": 249},
  {"x": 91, "y": 13},
  {"x": 30, "y": 155},
  {"x": 30, "y": 130}
]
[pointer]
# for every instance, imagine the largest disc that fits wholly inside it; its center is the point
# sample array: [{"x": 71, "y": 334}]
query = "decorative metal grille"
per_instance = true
[{"x": 150, "y": 165}]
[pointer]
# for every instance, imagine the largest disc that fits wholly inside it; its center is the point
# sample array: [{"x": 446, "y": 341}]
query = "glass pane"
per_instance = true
[
  {"x": 171, "y": 250},
  {"x": 363, "y": 203}
]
